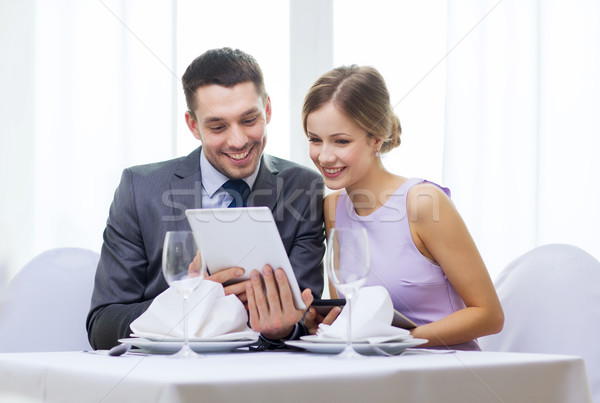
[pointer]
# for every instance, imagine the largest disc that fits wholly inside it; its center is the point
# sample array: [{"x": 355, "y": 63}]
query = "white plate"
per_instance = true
[
  {"x": 334, "y": 348},
  {"x": 236, "y": 336},
  {"x": 171, "y": 347},
  {"x": 313, "y": 338}
]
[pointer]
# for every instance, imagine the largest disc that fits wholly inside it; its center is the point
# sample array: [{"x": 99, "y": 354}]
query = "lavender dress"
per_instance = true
[{"x": 418, "y": 287}]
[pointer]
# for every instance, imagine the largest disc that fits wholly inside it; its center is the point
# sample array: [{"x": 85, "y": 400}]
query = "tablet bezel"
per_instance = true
[{"x": 257, "y": 240}]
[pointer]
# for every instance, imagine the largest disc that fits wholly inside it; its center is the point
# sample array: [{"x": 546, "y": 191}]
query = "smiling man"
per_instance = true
[{"x": 228, "y": 111}]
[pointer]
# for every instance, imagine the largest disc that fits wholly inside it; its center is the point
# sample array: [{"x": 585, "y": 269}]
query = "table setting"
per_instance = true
[
  {"x": 194, "y": 316},
  {"x": 210, "y": 321},
  {"x": 216, "y": 322},
  {"x": 365, "y": 324},
  {"x": 372, "y": 332}
]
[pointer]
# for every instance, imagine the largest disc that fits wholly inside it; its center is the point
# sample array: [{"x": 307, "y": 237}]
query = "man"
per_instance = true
[{"x": 228, "y": 111}]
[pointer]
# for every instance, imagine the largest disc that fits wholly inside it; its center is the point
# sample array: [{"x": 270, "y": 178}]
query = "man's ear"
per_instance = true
[
  {"x": 192, "y": 124},
  {"x": 268, "y": 109}
]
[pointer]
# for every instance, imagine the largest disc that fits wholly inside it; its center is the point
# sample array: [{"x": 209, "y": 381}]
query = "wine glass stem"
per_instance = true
[
  {"x": 185, "y": 330},
  {"x": 349, "y": 322}
]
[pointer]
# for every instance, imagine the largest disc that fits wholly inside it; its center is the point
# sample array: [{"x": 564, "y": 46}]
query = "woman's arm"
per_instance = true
[
  {"x": 442, "y": 236},
  {"x": 329, "y": 205},
  {"x": 312, "y": 319}
]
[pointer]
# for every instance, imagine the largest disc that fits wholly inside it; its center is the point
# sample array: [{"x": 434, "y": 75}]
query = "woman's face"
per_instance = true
[{"x": 340, "y": 149}]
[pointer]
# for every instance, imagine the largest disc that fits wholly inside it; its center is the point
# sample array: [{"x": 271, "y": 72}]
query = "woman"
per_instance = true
[{"x": 421, "y": 249}]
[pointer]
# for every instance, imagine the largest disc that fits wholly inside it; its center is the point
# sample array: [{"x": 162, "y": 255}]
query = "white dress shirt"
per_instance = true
[{"x": 213, "y": 194}]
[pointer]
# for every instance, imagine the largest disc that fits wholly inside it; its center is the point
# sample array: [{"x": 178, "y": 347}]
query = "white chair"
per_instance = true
[
  {"x": 551, "y": 302},
  {"x": 45, "y": 306}
]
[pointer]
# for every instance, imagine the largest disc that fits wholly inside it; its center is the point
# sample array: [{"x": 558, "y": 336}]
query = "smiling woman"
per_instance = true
[
  {"x": 339, "y": 147},
  {"x": 421, "y": 250}
]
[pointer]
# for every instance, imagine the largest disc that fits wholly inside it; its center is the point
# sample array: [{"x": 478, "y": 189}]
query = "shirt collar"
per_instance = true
[{"x": 212, "y": 180}]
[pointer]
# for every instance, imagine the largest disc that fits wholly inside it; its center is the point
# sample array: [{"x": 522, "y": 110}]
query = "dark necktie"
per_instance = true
[{"x": 240, "y": 191}]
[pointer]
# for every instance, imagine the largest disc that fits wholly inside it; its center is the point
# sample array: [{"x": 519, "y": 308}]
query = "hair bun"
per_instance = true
[{"x": 393, "y": 140}]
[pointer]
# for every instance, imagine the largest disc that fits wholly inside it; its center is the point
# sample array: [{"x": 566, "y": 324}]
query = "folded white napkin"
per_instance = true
[
  {"x": 372, "y": 314},
  {"x": 211, "y": 314}
]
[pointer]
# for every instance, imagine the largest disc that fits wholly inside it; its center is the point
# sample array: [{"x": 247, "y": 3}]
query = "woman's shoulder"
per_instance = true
[
  {"x": 333, "y": 197},
  {"x": 330, "y": 201},
  {"x": 329, "y": 207},
  {"x": 419, "y": 185},
  {"x": 426, "y": 187},
  {"x": 426, "y": 199}
]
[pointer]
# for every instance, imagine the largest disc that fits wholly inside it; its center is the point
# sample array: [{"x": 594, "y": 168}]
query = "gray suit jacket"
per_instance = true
[{"x": 152, "y": 199}]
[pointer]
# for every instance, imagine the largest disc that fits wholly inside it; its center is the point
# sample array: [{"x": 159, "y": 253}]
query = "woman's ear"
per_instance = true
[
  {"x": 376, "y": 142},
  {"x": 377, "y": 146}
]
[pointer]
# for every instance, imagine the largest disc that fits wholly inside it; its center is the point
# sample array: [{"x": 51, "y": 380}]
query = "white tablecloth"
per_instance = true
[{"x": 464, "y": 377}]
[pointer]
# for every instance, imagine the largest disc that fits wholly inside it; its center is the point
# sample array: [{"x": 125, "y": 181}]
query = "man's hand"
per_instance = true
[
  {"x": 313, "y": 319},
  {"x": 274, "y": 314},
  {"x": 238, "y": 289}
]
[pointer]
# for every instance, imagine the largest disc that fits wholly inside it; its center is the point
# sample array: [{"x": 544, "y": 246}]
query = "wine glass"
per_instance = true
[
  {"x": 347, "y": 263},
  {"x": 183, "y": 267}
]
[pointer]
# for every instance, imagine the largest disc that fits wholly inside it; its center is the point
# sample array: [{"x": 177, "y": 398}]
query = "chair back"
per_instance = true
[
  {"x": 44, "y": 307},
  {"x": 551, "y": 301}
]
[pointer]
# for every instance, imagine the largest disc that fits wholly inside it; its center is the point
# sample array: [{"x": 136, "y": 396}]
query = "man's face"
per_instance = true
[{"x": 231, "y": 123}]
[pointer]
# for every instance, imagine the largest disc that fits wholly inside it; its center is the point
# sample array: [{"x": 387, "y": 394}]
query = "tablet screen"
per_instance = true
[{"x": 244, "y": 237}]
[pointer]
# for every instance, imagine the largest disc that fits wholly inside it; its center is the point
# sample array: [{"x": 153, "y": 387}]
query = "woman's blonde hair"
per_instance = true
[{"x": 360, "y": 92}]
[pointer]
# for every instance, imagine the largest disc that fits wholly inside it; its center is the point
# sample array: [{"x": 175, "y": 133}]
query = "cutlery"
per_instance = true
[
  {"x": 119, "y": 349},
  {"x": 428, "y": 351},
  {"x": 382, "y": 352}
]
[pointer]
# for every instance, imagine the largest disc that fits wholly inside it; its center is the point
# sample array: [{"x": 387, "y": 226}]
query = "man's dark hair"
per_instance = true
[{"x": 226, "y": 67}]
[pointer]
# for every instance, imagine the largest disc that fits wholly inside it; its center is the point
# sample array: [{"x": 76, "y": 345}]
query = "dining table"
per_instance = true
[{"x": 293, "y": 376}]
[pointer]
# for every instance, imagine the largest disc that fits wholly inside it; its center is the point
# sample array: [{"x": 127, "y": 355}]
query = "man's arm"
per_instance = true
[{"x": 118, "y": 296}]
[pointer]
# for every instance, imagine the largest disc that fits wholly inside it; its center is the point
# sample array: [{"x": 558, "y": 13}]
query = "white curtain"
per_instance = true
[
  {"x": 82, "y": 98},
  {"x": 89, "y": 87},
  {"x": 405, "y": 41},
  {"x": 521, "y": 127}
]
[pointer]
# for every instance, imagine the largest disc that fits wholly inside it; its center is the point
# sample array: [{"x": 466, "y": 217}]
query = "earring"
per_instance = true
[{"x": 377, "y": 154}]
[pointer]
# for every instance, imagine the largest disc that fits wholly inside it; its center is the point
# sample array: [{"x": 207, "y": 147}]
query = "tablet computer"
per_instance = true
[
  {"x": 323, "y": 306},
  {"x": 244, "y": 237}
]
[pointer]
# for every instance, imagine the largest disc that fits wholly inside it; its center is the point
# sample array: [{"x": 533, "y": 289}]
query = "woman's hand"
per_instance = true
[{"x": 312, "y": 319}]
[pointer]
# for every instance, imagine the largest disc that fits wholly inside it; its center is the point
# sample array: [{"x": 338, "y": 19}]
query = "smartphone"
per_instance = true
[{"x": 323, "y": 306}]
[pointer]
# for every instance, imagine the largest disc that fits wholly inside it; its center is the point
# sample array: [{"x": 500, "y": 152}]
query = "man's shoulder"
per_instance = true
[
  {"x": 182, "y": 166},
  {"x": 287, "y": 167},
  {"x": 155, "y": 167}
]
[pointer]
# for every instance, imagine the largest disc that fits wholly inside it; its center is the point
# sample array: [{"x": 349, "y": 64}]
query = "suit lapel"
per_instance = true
[
  {"x": 265, "y": 191},
  {"x": 186, "y": 189}
]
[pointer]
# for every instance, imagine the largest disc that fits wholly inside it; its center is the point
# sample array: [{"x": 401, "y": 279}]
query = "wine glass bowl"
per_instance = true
[
  {"x": 347, "y": 263},
  {"x": 183, "y": 268}
]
